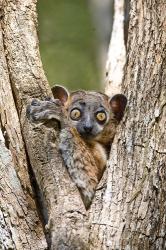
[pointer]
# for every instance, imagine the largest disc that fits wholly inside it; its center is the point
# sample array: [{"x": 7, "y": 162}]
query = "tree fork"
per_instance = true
[{"x": 129, "y": 207}]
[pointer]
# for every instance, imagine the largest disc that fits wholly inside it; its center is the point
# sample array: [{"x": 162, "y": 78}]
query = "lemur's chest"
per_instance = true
[{"x": 100, "y": 155}]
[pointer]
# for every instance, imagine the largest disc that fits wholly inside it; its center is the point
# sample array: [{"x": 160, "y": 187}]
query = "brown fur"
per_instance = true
[{"x": 84, "y": 156}]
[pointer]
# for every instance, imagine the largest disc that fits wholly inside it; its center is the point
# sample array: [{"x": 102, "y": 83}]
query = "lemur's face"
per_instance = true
[{"x": 88, "y": 112}]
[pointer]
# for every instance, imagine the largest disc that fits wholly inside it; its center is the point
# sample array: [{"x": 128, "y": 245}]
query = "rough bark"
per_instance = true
[
  {"x": 134, "y": 203},
  {"x": 20, "y": 226},
  {"x": 129, "y": 208},
  {"x": 63, "y": 203}
]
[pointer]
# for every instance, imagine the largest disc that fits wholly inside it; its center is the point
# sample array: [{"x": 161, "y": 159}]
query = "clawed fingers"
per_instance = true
[
  {"x": 50, "y": 99},
  {"x": 32, "y": 112},
  {"x": 35, "y": 102},
  {"x": 42, "y": 111}
]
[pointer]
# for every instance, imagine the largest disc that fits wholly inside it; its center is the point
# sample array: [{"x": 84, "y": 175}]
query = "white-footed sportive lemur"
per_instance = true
[{"x": 88, "y": 122}]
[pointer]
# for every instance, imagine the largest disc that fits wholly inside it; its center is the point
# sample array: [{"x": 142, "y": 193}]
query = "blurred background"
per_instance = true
[{"x": 74, "y": 38}]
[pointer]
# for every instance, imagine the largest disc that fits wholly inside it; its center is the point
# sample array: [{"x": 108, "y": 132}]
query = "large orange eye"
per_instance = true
[
  {"x": 75, "y": 114},
  {"x": 101, "y": 116}
]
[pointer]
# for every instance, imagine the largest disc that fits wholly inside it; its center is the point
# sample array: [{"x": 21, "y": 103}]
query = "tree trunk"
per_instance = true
[
  {"x": 117, "y": 52},
  {"x": 133, "y": 209},
  {"x": 20, "y": 227},
  {"x": 62, "y": 200},
  {"x": 129, "y": 208}
]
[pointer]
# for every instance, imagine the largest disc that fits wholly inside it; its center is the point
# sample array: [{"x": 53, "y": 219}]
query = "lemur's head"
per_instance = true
[{"x": 89, "y": 111}]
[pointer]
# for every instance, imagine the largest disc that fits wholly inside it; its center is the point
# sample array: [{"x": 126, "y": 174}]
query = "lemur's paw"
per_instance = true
[{"x": 43, "y": 111}]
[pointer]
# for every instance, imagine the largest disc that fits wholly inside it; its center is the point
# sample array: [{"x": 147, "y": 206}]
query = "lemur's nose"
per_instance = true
[{"x": 88, "y": 128}]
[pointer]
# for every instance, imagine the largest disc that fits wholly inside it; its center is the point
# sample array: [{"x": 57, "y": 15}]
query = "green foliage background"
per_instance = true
[{"x": 68, "y": 44}]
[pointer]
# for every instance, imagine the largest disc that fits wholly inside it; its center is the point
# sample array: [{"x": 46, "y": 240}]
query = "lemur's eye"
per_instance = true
[
  {"x": 75, "y": 114},
  {"x": 101, "y": 116}
]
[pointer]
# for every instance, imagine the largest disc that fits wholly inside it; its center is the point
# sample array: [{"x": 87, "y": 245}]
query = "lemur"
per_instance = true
[{"x": 88, "y": 122}]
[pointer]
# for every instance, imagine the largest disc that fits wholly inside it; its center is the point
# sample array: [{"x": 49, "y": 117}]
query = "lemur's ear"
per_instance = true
[
  {"x": 60, "y": 93},
  {"x": 118, "y": 103}
]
